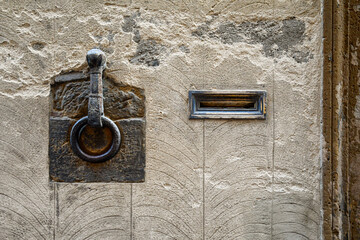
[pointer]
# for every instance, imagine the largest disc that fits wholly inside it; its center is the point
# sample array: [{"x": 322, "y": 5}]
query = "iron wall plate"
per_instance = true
[
  {"x": 227, "y": 104},
  {"x": 124, "y": 104}
]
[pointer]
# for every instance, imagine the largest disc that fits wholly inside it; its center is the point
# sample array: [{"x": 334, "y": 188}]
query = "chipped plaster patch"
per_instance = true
[{"x": 277, "y": 37}]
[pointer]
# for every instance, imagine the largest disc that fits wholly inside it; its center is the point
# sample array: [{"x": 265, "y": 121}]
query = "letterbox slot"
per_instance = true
[{"x": 237, "y": 104}]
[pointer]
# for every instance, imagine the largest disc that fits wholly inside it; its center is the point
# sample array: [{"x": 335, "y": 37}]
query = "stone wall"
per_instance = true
[
  {"x": 354, "y": 120},
  {"x": 340, "y": 154},
  {"x": 205, "y": 179}
]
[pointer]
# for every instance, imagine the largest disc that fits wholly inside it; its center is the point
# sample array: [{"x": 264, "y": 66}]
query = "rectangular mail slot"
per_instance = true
[{"x": 230, "y": 104}]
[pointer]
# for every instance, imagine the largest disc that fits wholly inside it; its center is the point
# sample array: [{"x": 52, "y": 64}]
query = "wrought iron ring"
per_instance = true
[{"x": 75, "y": 136}]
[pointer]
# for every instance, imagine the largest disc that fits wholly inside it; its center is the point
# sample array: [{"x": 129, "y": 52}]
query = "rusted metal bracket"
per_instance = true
[{"x": 96, "y": 60}]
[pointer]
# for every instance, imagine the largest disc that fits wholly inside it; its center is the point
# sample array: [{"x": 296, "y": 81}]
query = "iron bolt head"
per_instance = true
[{"x": 96, "y": 59}]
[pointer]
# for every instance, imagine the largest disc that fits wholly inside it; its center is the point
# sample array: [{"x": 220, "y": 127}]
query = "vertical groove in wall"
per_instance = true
[
  {"x": 273, "y": 153},
  {"x": 346, "y": 102},
  {"x": 273, "y": 157},
  {"x": 54, "y": 185},
  {"x": 273, "y": 143},
  {"x": 131, "y": 211},
  {"x": 331, "y": 117},
  {"x": 203, "y": 182},
  {"x": 321, "y": 236},
  {"x": 56, "y": 209},
  {"x": 327, "y": 119},
  {"x": 55, "y": 222}
]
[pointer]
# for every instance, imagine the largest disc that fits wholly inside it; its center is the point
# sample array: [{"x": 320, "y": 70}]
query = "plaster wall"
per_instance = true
[{"x": 205, "y": 179}]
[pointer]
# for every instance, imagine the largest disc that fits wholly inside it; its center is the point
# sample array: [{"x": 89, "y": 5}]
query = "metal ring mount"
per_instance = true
[{"x": 75, "y": 135}]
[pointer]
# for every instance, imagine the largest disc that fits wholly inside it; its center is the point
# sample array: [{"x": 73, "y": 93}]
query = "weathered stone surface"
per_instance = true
[
  {"x": 169, "y": 203},
  {"x": 26, "y": 208},
  {"x": 277, "y": 37},
  {"x": 238, "y": 160},
  {"x": 92, "y": 211},
  {"x": 304, "y": 8},
  {"x": 205, "y": 179},
  {"x": 70, "y": 99},
  {"x": 296, "y": 186},
  {"x": 237, "y": 202},
  {"x": 147, "y": 53}
]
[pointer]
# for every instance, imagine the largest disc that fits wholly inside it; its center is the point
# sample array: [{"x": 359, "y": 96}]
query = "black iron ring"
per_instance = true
[{"x": 75, "y": 135}]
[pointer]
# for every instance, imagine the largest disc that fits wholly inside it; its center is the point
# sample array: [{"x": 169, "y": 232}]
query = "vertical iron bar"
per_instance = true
[{"x": 97, "y": 62}]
